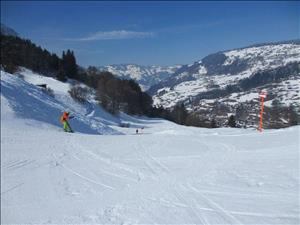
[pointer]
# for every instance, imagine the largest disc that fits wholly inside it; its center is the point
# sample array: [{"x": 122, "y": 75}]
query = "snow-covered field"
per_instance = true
[{"x": 169, "y": 174}]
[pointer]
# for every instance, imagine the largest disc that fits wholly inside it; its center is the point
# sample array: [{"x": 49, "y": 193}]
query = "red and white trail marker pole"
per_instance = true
[{"x": 262, "y": 96}]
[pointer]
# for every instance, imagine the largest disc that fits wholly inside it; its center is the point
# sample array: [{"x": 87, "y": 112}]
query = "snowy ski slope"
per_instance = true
[{"x": 170, "y": 174}]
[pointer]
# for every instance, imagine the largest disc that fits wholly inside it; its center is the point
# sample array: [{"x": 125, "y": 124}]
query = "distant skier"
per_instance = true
[
  {"x": 136, "y": 131},
  {"x": 64, "y": 120}
]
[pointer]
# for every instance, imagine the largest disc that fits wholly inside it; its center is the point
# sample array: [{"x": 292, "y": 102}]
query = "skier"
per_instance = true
[
  {"x": 64, "y": 120},
  {"x": 136, "y": 131}
]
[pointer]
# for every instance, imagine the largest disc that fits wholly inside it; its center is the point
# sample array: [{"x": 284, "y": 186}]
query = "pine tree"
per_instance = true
[
  {"x": 179, "y": 114},
  {"x": 61, "y": 76},
  {"x": 54, "y": 62},
  {"x": 231, "y": 121},
  {"x": 69, "y": 64},
  {"x": 293, "y": 116},
  {"x": 213, "y": 123}
]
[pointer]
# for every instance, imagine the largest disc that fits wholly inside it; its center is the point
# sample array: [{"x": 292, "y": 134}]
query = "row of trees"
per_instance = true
[
  {"x": 244, "y": 115},
  {"x": 113, "y": 94},
  {"x": 67, "y": 67},
  {"x": 122, "y": 95},
  {"x": 180, "y": 115},
  {"x": 17, "y": 52},
  {"x": 279, "y": 115}
]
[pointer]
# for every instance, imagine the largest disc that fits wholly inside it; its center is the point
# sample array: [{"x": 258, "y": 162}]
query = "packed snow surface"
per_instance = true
[{"x": 167, "y": 174}]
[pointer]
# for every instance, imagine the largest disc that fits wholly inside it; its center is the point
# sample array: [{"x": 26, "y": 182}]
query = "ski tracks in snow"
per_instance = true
[
  {"x": 198, "y": 198},
  {"x": 182, "y": 192},
  {"x": 154, "y": 165},
  {"x": 191, "y": 207},
  {"x": 116, "y": 166},
  {"x": 17, "y": 164},
  {"x": 215, "y": 206},
  {"x": 197, "y": 205},
  {"x": 12, "y": 188},
  {"x": 117, "y": 171},
  {"x": 82, "y": 176}
]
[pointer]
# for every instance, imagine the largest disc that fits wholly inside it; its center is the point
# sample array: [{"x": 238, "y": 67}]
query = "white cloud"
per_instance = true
[{"x": 114, "y": 35}]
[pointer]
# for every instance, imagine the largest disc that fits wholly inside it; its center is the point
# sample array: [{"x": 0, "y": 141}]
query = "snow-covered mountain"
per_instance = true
[
  {"x": 217, "y": 71},
  {"x": 171, "y": 175},
  {"x": 145, "y": 76}
]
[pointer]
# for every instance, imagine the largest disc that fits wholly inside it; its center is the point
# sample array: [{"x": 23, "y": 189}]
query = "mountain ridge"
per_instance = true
[
  {"x": 8, "y": 31},
  {"x": 146, "y": 76},
  {"x": 232, "y": 65}
]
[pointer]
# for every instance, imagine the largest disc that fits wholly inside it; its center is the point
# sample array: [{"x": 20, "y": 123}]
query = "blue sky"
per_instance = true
[{"x": 150, "y": 33}]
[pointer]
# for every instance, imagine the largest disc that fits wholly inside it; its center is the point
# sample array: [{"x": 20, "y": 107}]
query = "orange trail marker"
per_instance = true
[{"x": 262, "y": 96}]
